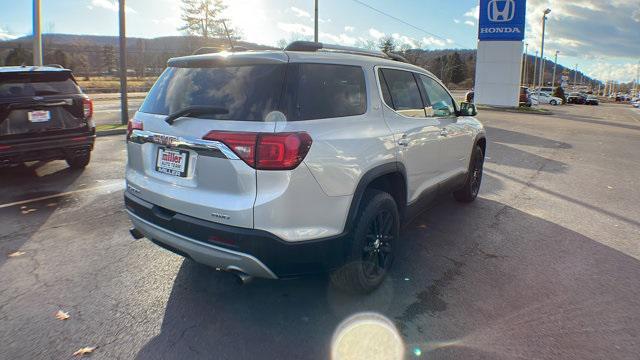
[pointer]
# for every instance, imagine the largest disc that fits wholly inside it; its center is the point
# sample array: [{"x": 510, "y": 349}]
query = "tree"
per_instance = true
[
  {"x": 387, "y": 44},
  {"x": 58, "y": 57},
  {"x": 108, "y": 58},
  {"x": 559, "y": 92},
  {"x": 457, "y": 68},
  {"x": 18, "y": 56},
  {"x": 204, "y": 18}
]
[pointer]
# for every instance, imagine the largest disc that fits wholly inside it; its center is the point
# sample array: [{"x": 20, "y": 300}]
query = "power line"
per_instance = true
[{"x": 407, "y": 23}]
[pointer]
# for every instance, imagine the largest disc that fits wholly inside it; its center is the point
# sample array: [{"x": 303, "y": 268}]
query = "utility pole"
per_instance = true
[
  {"x": 555, "y": 65},
  {"x": 124, "y": 106},
  {"x": 524, "y": 68},
  {"x": 535, "y": 69},
  {"x": 575, "y": 77},
  {"x": 544, "y": 24},
  {"x": 37, "y": 34},
  {"x": 315, "y": 32},
  {"x": 635, "y": 86}
]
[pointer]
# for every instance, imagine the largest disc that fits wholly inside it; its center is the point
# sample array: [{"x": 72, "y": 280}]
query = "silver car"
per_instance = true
[{"x": 279, "y": 164}]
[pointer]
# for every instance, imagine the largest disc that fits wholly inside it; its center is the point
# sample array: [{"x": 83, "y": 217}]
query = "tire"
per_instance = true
[
  {"x": 374, "y": 238},
  {"x": 553, "y": 102},
  {"x": 79, "y": 162},
  {"x": 469, "y": 192}
]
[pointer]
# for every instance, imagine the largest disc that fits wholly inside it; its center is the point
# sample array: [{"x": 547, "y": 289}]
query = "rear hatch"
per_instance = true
[
  {"x": 36, "y": 104},
  {"x": 200, "y": 163}
]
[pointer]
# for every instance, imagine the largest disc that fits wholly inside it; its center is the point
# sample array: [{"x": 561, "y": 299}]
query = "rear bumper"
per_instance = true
[
  {"x": 44, "y": 149},
  {"x": 254, "y": 252}
]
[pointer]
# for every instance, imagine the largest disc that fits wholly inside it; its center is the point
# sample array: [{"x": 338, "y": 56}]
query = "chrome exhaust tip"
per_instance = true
[{"x": 242, "y": 277}]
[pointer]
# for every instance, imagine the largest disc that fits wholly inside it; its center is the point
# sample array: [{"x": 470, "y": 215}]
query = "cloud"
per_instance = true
[
  {"x": 607, "y": 71},
  {"x": 376, "y": 34},
  {"x": 6, "y": 35},
  {"x": 349, "y": 28},
  {"x": 300, "y": 13},
  {"x": 342, "y": 39},
  {"x": 474, "y": 12},
  {"x": 456, "y": 21},
  {"x": 430, "y": 41},
  {"x": 470, "y": 23},
  {"x": 586, "y": 29},
  {"x": 296, "y": 28},
  {"x": 109, "y": 5}
]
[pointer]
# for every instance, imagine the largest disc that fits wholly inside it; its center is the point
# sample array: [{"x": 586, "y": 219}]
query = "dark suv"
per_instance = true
[{"x": 44, "y": 116}]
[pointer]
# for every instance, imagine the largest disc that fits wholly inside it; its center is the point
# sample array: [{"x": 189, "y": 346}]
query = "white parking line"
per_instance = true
[{"x": 115, "y": 186}]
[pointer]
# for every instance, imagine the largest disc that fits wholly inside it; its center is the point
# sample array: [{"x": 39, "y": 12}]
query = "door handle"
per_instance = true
[
  {"x": 403, "y": 141},
  {"x": 444, "y": 133}
]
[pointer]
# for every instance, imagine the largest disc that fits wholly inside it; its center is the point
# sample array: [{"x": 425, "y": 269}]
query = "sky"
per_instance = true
[{"x": 601, "y": 36}]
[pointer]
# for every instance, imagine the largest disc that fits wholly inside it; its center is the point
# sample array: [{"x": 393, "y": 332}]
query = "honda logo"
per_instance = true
[{"x": 501, "y": 10}]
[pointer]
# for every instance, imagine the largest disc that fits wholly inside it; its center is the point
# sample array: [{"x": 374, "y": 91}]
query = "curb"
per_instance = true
[
  {"x": 514, "y": 111},
  {"x": 111, "y": 132}
]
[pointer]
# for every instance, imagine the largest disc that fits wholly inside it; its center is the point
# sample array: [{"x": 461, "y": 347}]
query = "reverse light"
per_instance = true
[
  {"x": 133, "y": 125},
  {"x": 266, "y": 151},
  {"x": 87, "y": 108}
]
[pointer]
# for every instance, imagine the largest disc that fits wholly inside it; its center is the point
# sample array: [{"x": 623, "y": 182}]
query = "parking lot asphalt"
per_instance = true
[{"x": 544, "y": 265}]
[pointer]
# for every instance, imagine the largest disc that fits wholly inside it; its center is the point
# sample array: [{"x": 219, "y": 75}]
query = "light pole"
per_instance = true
[
  {"x": 37, "y": 34},
  {"x": 315, "y": 32},
  {"x": 124, "y": 106},
  {"x": 535, "y": 69},
  {"x": 544, "y": 24},
  {"x": 575, "y": 77},
  {"x": 524, "y": 69},
  {"x": 555, "y": 65}
]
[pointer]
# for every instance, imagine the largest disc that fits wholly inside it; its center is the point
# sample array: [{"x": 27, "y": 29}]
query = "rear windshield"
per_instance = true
[
  {"x": 248, "y": 92},
  {"x": 37, "y": 84}
]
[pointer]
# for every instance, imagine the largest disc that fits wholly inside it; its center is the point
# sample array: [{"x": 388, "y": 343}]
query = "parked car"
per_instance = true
[
  {"x": 592, "y": 100},
  {"x": 44, "y": 116},
  {"x": 576, "y": 98},
  {"x": 279, "y": 164},
  {"x": 545, "y": 98},
  {"x": 525, "y": 97}
]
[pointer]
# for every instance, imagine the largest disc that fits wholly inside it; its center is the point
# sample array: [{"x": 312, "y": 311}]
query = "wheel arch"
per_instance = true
[{"x": 391, "y": 178}]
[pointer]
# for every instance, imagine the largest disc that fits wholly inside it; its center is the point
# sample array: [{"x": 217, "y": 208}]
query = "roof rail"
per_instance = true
[{"x": 311, "y": 46}]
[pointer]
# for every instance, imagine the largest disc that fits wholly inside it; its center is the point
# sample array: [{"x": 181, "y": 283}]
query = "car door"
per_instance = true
[
  {"x": 455, "y": 134},
  {"x": 417, "y": 136}
]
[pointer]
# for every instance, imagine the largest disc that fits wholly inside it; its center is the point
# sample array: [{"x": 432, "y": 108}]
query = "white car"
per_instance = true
[
  {"x": 545, "y": 98},
  {"x": 278, "y": 164}
]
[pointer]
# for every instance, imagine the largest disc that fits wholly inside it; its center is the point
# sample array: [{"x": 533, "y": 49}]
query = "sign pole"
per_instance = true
[
  {"x": 124, "y": 108},
  {"x": 37, "y": 34}
]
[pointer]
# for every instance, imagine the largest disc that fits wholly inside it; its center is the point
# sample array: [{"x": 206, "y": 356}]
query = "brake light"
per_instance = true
[
  {"x": 4, "y": 147},
  {"x": 266, "y": 151},
  {"x": 133, "y": 125},
  {"x": 87, "y": 108}
]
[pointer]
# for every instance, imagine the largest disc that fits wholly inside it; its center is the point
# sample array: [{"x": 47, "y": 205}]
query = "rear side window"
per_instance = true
[
  {"x": 37, "y": 84},
  {"x": 327, "y": 91},
  {"x": 404, "y": 93},
  {"x": 247, "y": 92}
]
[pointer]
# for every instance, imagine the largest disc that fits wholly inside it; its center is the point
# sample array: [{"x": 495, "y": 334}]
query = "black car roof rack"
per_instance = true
[{"x": 311, "y": 46}]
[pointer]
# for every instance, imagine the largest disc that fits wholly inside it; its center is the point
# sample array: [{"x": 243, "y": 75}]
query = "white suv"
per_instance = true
[{"x": 278, "y": 164}]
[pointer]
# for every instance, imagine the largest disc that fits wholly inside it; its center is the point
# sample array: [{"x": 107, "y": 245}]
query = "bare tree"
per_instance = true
[{"x": 205, "y": 18}]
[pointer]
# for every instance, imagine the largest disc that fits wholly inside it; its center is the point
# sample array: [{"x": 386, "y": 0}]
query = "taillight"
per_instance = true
[
  {"x": 87, "y": 108},
  {"x": 133, "y": 125},
  {"x": 266, "y": 151},
  {"x": 242, "y": 144}
]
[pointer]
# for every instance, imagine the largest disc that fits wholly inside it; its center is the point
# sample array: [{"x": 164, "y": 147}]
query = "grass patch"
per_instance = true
[
  {"x": 107, "y": 127},
  {"x": 107, "y": 84}
]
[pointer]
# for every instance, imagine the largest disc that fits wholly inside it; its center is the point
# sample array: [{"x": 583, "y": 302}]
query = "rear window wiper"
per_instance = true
[{"x": 195, "y": 111}]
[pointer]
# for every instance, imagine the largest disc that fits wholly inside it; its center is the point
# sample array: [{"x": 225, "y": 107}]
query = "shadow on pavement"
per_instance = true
[
  {"x": 483, "y": 281},
  {"x": 513, "y": 137},
  {"x": 18, "y": 223}
]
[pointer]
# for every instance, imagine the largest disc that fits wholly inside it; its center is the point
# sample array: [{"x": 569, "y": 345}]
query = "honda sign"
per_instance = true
[{"x": 502, "y": 20}]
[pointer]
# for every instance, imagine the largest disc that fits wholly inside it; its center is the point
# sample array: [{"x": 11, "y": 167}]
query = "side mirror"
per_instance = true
[{"x": 467, "y": 109}]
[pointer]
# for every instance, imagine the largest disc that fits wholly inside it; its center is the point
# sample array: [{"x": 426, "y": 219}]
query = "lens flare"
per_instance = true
[{"x": 367, "y": 336}]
